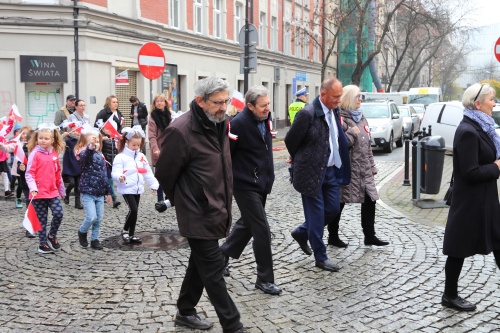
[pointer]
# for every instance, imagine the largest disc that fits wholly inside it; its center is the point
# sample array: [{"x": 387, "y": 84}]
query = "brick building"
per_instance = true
[{"x": 199, "y": 39}]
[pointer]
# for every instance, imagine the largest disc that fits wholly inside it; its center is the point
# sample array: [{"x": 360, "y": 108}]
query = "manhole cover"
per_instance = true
[{"x": 156, "y": 241}]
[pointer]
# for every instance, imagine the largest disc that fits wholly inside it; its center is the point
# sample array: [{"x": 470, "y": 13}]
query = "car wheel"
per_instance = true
[
  {"x": 389, "y": 145},
  {"x": 399, "y": 143}
]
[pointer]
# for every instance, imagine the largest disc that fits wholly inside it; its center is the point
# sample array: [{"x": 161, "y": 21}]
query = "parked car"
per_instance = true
[
  {"x": 444, "y": 118},
  {"x": 420, "y": 108},
  {"x": 411, "y": 121},
  {"x": 386, "y": 124}
]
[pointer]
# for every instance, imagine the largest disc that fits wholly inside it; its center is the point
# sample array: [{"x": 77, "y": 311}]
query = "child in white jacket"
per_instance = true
[{"x": 130, "y": 169}]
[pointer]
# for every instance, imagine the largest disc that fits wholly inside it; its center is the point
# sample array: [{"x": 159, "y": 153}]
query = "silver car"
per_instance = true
[
  {"x": 411, "y": 120},
  {"x": 386, "y": 124}
]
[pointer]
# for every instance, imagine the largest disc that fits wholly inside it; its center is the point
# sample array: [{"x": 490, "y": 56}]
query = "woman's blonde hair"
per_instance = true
[
  {"x": 83, "y": 141},
  {"x": 162, "y": 96},
  {"x": 58, "y": 144},
  {"x": 349, "y": 99},
  {"x": 107, "y": 103}
]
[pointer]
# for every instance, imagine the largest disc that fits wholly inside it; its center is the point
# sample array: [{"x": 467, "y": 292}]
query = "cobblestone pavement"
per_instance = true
[{"x": 396, "y": 288}]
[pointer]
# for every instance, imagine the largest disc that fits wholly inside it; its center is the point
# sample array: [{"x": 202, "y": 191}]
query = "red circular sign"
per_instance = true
[
  {"x": 151, "y": 60},
  {"x": 497, "y": 49}
]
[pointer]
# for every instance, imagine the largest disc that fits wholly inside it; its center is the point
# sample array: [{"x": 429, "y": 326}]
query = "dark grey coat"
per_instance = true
[{"x": 473, "y": 225}]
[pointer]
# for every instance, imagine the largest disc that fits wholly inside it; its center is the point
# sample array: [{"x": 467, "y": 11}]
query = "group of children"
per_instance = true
[{"x": 44, "y": 186}]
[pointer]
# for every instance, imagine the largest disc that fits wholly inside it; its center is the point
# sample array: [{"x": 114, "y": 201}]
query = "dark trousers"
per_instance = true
[
  {"x": 452, "y": 270},
  {"x": 132, "y": 201},
  {"x": 318, "y": 211},
  {"x": 204, "y": 271},
  {"x": 253, "y": 223},
  {"x": 73, "y": 182},
  {"x": 367, "y": 219}
]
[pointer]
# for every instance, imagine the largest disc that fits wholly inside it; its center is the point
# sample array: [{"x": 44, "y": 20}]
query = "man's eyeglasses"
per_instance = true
[
  {"x": 220, "y": 103},
  {"x": 475, "y": 99}
]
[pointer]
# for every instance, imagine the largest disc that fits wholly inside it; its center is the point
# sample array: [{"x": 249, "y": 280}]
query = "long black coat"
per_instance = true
[{"x": 473, "y": 225}]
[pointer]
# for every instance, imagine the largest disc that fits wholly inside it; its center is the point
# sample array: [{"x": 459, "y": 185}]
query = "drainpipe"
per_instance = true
[{"x": 75, "y": 25}]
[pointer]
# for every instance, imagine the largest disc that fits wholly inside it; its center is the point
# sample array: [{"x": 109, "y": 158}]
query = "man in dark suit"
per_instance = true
[
  {"x": 320, "y": 161},
  {"x": 253, "y": 176}
]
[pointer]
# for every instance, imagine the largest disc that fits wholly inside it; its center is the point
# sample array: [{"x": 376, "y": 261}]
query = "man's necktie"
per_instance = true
[{"x": 336, "y": 156}]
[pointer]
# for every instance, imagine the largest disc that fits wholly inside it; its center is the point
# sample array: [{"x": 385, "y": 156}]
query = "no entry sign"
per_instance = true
[
  {"x": 151, "y": 60},
  {"x": 497, "y": 49}
]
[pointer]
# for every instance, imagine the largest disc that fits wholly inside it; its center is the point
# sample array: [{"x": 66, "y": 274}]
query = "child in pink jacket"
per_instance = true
[{"x": 43, "y": 176}]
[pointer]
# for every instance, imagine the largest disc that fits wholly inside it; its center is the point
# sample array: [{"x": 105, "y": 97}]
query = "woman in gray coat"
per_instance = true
[
  {"x": 362, "y": 187},
  {"x": 473, "y": 225}
]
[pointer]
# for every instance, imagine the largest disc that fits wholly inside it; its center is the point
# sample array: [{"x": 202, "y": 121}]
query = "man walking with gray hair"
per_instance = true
[
  {"x": 253, "y": 172},
  {"x": 194, "y": 168}
]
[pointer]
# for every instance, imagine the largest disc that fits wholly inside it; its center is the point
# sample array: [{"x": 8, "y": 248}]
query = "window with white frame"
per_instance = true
[
  {"x": 175, "y": 13},
  {"x": 239, "y": 19},
  {"x": 263, "y": 30},
  {"x": 274, "y": 33},
  {"x": 298, "y": 42},
  {"x": 287, "y": 40},
  {"x": 315, "y": 49},
  {"x": 218, "y": 18},
  {"x": 198, "y": 16},
  {"x": 306, "y": 46}
]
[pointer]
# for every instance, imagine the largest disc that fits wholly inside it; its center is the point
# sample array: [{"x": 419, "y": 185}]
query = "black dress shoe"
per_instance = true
[
  {"x": 268, "y": 287},
  {"x": 337, "y": 242},
  {"x": 302, "y": 243},
  {"x": 327, "y": 265},
  {"x": 457, "y": 303},
  {"x": 193, "y": 321},
  {"x": 375, "y": 241}
]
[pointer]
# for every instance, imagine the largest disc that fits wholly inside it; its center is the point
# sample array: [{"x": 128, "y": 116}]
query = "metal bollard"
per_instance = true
[
  {"x": 406, "y": 181},
  {"x": 414, "y": 169}
]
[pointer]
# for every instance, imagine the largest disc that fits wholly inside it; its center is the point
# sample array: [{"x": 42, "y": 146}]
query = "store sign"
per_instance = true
[
  {"x": 122, "y": 78},
  {"x": 44, "y": 69}
]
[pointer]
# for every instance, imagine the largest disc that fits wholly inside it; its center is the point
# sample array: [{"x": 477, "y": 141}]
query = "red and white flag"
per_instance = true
[
  {"x": 18, "y": 150},
  {"x": 31, "y": 221},
  {"x": 111, "y": 126},
  {"x": 237, "y": 100},
  {"x": 136, "y": 170},
  {"x": 15, "y": 111}
]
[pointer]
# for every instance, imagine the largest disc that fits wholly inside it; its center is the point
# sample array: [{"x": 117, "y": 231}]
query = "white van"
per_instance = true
[{"x": 444, "y": 118}]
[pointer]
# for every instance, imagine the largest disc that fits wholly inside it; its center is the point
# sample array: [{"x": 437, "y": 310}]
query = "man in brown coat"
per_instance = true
[{"x": 194, "y": 169}]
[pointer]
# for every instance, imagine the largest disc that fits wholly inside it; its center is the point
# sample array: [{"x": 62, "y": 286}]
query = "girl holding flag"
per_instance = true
[
  {"x": 5, "y": 129},
  {"x": 130, "y": 169},
  {"x": 43, "y": 176},
  {"x": 94, "y": 185}
]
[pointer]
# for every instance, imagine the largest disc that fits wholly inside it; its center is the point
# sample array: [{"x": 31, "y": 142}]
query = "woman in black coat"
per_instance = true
[{"x": 473, "y": 225}]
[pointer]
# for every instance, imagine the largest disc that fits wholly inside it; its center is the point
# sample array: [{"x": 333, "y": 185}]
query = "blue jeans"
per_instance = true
[
  {"x": 317, "y": 210},
  {"x": 94, "y": 212}
]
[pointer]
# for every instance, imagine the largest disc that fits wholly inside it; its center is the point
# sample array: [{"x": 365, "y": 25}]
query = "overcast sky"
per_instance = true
[{"x": 487, "y": 12}]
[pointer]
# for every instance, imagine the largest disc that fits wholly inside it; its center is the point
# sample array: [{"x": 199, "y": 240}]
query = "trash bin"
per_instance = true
[{"x": 432, "y": 162}]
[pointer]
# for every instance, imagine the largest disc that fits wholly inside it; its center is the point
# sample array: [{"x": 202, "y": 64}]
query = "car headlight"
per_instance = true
[{"x": 376, "y": 129}]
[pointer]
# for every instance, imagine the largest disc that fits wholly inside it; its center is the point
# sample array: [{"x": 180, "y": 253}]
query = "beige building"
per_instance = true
[{"x": 42, "y": 38}]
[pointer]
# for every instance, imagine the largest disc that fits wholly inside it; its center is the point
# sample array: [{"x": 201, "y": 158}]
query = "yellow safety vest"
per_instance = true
[{"x": 294, "y": 108}]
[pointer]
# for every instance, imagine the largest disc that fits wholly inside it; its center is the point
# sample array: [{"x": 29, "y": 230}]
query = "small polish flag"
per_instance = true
[
  {"x": 15, "y": 111},
  {"x": 31, "y": 221},
  {"x": 271, "y": 129},
  {"x": 18, "y": 150},
  {"x": 110, "y": 125},
  {"x": 141, "y": 171},
  {"x": 237, "y": 100},
  {"x": 3, "y": 120}
]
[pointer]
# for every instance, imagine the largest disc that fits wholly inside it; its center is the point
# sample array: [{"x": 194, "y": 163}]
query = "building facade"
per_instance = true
[{"x": 53, "y": 48}]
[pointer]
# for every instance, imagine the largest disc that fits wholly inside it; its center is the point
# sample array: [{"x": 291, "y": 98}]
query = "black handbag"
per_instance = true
[{"x": 449, "y": 193}]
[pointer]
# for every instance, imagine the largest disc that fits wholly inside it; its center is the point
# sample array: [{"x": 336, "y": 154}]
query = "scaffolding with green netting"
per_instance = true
[{"x": 347, "y": 49}]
